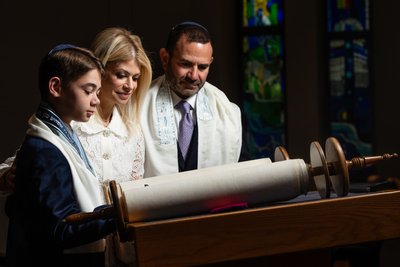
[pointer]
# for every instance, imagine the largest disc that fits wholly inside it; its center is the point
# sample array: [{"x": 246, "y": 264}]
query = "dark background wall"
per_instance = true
[{"x": 30, "y": 29}]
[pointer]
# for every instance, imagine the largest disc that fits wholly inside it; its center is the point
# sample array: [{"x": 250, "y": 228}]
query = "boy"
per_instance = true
[{"x": 54, "y": 178}]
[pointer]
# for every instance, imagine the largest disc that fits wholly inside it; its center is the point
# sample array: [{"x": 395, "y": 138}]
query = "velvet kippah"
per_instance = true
[
  {"x": 188, "y": 24},
  {"x": 61, "y": 47}
]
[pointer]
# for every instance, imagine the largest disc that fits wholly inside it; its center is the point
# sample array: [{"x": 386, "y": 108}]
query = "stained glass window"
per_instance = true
[
  {"x": 349, "y": 75},
  {"x": 263, "y": 77}
]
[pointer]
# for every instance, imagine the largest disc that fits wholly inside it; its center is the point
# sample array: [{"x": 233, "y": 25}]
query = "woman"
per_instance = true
[{"x": 113, "y": 139}]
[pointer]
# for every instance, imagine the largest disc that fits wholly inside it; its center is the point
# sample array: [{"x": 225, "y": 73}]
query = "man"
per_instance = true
[{"x": 216, "y": 137}]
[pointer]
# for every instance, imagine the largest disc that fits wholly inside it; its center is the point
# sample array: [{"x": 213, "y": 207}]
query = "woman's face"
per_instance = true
[{"x": 119, "y": 82}]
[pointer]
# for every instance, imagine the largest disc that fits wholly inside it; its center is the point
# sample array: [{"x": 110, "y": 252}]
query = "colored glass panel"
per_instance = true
[
  {"x": 262, "y": 13},
  {"x": 349, "y": 75},
  {"x": 348, "y": 15},
  {"x": 263, "y": 107}
]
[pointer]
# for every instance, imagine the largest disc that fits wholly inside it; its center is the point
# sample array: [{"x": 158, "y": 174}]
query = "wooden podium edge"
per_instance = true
[{"x": 267, "y": 230}]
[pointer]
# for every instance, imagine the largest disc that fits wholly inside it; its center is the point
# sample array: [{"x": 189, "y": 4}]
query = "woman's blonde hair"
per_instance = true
[{"x": 115, "y": 44}]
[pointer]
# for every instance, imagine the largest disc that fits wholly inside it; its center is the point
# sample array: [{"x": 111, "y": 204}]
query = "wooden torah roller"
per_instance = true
[
  {"x": 332, "y": 169},
  {"x": 251, "y": 182}
]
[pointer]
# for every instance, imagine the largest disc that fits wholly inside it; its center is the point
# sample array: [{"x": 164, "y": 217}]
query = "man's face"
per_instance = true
[{"x": 187, "y": 69}]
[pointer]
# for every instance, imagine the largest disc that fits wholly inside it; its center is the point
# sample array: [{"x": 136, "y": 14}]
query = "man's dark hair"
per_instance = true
[{"x": 193, "y": 31}]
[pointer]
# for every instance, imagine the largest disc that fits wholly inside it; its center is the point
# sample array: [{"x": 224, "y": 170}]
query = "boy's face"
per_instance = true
[{"x": 78, "y": 102}]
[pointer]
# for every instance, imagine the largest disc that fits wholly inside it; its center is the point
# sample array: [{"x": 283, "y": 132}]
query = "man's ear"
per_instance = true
[
  {"x": 55, "y": 86},
  {"x": 164, "y": 56}
]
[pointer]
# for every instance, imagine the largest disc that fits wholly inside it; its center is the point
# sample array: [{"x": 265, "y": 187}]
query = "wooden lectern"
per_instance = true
[
  {"x": 296, "y": 223},
  {"x": 306, "y": 223}
]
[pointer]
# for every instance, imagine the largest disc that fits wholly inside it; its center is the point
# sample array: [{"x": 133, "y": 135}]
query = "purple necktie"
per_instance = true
[{"x": 186, "y": 127}]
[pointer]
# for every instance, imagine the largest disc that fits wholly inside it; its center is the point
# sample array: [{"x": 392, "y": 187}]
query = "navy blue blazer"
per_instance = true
[{"x": 43, "y": 197}]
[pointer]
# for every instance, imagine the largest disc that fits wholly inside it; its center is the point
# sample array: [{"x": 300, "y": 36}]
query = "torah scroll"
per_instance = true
[{"x": 199, "y": 191}]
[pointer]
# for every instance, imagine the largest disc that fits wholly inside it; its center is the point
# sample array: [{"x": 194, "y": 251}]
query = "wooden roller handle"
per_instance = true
[
  {"x": 361, "y": 162},
  {"x": 82, "y": 217}
]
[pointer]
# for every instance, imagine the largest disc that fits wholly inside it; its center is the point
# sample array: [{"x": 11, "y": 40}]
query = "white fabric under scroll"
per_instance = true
[{"x": 199, "y": 191}]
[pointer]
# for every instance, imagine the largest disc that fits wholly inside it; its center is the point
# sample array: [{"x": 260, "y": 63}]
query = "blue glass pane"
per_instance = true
[
  {"x": 350, "y": 94},
  {"x": 348, "y": 15}
]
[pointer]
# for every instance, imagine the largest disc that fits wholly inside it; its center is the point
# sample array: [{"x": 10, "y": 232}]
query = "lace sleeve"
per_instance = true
[{"x": 138, "y": 162}]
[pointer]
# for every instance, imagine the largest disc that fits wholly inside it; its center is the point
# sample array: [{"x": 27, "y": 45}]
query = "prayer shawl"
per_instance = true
[
  {"x": 219, "y": 129},
  {"x": 86, "y": 184},
  {"x": 47, "y": 125}
]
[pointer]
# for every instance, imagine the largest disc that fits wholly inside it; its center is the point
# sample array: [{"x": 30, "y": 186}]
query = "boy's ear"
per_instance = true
[
  {"x": 164, "y": 56},
  {"x": 55, "y": 86}
]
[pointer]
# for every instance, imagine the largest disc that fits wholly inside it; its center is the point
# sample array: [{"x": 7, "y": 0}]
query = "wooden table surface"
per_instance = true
[{"x": 305, "y": 223}]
